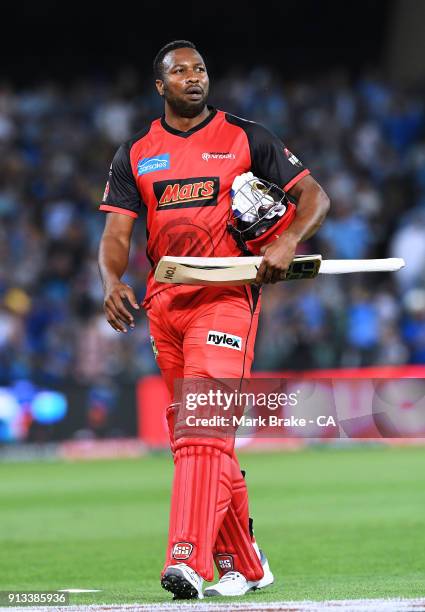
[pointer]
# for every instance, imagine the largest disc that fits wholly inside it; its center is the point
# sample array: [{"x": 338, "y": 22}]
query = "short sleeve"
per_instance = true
[
  {"x": 272, "y": 160},
  {"x": 121, "y": 193}
]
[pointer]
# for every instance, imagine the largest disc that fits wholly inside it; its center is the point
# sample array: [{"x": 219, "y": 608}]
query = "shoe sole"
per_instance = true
[
  {"x": 264, "y": 586},
  {"x": 176, "y": 583},
  {"x": 213, "y": 593}
]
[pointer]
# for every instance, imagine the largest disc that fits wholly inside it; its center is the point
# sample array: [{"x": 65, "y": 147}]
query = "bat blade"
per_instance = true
[{"x": 222, "y": 271}]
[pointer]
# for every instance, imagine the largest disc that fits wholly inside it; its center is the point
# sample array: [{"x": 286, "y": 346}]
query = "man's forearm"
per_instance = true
[
  {"x": 114, "y": 249},
  {"x": 113, "y": 258},
  {"x": 312, "y": 207}
]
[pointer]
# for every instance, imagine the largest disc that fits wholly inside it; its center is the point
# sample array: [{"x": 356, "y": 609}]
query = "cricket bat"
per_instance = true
[{"x": 220, "y": 271}]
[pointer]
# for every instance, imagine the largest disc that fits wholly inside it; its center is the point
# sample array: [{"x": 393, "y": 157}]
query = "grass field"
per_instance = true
[{"x": 335, "y": 524}]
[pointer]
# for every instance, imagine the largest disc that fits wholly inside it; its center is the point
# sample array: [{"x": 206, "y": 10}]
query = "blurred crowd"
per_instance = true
[{"x": 364, "y": 141}]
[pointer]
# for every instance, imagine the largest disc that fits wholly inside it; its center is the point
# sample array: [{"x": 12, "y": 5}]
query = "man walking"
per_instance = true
[{"x": 181, "y": 167}]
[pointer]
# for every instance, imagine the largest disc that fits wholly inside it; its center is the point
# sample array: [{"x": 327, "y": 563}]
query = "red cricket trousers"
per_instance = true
[{"x": 206, "y": 332}]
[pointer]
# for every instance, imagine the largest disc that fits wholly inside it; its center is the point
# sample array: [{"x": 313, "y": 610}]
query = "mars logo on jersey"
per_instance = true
[
  {"x": 182, "y": 551},
  {"x": 187, "y": 193}
]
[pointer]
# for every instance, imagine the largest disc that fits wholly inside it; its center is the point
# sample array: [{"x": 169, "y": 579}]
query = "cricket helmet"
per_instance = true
[{"x": 261, "y": 212}]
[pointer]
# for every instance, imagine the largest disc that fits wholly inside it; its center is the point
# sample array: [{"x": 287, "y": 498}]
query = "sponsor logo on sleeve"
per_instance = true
[
  {"x": 291, "y": 158},
  {"x": 219, "y": 338},
  {"x": 153, "y": 164},
  {"x": 187, "y": 193},
  {"x": 106, "y": 192},
  {"x": 182, "y": 551}
]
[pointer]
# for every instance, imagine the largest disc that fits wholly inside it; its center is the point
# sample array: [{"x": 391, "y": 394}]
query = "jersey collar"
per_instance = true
[{"x": 198, "y": 127}]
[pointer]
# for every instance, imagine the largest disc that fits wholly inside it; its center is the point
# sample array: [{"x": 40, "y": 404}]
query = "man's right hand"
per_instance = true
[
  {"x": 116, "y": 312},
  {"x": 114, "y": 251}
]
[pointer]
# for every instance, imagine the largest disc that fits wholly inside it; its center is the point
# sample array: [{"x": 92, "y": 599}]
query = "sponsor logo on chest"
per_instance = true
[
  {"x": 218, "y": 155},
  {"x": 187, "y": 193},
  {"x": 153, "y": 164},
  {"x": 219, "y": 338}
]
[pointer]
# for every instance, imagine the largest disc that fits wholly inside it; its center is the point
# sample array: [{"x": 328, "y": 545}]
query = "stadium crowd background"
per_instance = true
[{"x": 364, "y": 141}]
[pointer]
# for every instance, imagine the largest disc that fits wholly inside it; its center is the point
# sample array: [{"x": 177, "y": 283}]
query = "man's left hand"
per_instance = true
[{"x": 277, "y": 257}]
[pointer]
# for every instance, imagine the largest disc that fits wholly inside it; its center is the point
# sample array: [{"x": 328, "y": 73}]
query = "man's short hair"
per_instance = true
[{"x": 158, "y": 66}]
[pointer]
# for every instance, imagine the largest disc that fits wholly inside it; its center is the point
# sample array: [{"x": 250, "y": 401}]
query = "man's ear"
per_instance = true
[{"x": 160, "y": 86}]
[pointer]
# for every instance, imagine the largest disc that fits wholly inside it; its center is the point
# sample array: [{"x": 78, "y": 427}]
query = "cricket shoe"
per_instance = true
[
  {"x": 234, "y": 584},
  {"x": 183, "y": 581}
]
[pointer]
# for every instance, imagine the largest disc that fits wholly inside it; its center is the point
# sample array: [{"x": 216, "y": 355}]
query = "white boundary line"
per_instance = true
[
  {"x": 79, "y": 590},
  {"x": 347, "y": 605}
]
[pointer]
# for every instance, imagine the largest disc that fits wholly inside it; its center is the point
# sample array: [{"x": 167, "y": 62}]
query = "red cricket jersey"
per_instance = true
[{"x": 184, "y": 180}]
